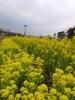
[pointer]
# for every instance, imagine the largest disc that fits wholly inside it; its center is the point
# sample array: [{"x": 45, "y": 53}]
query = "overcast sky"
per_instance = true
[{"x": 41, "y": 16}]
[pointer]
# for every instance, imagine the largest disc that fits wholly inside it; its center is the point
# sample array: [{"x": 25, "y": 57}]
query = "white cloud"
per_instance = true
[{"x": 43, "y": 15}]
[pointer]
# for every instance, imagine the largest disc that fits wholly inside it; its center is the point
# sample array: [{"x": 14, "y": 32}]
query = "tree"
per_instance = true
[
  {"x": 71, "y": 32},
  {"x": 61, "y": 35}
]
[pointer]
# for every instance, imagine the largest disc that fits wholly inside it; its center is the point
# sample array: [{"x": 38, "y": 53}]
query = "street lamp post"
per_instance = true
[{"x": 25, "y": 26}]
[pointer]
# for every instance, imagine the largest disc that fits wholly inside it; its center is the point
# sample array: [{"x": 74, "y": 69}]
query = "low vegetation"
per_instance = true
[{"x": 33, "y": 68}]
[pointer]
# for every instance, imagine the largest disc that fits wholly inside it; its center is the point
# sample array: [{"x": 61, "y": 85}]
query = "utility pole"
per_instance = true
[{"x": 25, "y": 26}]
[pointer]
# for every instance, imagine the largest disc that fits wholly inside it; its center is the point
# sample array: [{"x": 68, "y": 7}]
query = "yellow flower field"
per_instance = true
[{"x": 33, "y": 68}]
